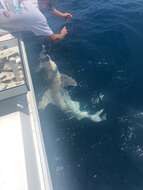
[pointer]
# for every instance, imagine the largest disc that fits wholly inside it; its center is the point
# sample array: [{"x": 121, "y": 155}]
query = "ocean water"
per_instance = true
[{"x": 104, "y": 53}]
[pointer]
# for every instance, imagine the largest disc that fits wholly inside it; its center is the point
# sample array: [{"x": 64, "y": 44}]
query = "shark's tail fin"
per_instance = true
[{"x": 98, "y": 116}]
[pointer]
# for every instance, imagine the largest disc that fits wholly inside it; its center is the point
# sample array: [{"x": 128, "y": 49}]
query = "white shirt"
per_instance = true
[{"x": 27, "y": 18}]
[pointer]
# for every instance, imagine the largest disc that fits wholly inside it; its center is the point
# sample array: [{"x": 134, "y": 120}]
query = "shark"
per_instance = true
[{"x": 58, "y": 95}]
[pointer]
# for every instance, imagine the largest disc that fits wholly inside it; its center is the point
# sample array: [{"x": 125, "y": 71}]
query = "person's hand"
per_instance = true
[
  {"x": 59, "y": 36},
  {"x": 6, "y": 13},
  {"x": 67, "y": 16},
  {"x": 64, "y": 31}
]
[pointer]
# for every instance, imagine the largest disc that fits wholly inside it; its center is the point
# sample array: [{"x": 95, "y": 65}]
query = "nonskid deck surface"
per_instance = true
[{"x": 11, "y": 70}]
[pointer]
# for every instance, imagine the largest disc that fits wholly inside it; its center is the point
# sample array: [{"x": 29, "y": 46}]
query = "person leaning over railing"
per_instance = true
[{"x": 24, "y": 16}]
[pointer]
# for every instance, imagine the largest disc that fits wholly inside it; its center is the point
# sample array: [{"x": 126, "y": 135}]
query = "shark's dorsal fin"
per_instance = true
[{"x": 67, "y": 81}]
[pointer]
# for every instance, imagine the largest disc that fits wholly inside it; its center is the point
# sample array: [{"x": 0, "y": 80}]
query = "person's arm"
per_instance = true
[
  {"x": 59, "y": 36},
  {"x": 40, "y": 27},
  {"x": 58, "y": 13}
]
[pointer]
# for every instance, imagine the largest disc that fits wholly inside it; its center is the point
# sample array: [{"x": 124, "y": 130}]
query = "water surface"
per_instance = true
[{"x": 104, "y": 53}]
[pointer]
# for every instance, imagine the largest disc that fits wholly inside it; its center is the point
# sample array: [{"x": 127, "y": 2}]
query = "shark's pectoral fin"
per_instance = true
[
  {"x": 67, "y": 81},
  {"x": 45, "y": 100}
]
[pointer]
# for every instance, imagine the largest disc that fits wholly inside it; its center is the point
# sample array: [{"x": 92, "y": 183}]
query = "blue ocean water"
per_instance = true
[{"x": 104, "y": 53}]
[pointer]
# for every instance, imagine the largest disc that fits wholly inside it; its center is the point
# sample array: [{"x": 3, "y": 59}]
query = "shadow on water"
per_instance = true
[{"x": 104, "y": 57}]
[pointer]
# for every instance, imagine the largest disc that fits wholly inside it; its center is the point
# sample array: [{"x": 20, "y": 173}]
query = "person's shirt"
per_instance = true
[
  {"x": 26, "y": 17},
  {"x": 1, "y": 7},
  {"x": 11, "y": 5},
  {"x": 46, "y": 4}
]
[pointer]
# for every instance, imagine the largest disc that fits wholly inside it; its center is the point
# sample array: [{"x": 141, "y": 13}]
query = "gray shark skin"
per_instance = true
[{"x": 57, "y": 94}]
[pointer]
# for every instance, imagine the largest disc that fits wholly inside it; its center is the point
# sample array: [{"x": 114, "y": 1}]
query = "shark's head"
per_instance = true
[
  {"x": 53, "y": 75},
  {"x": 48, "y": 66}
]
